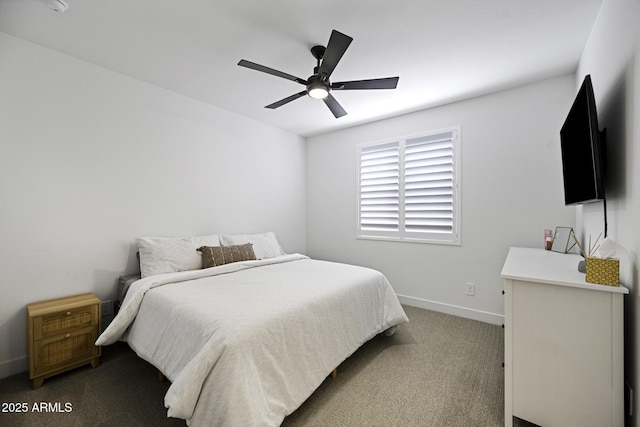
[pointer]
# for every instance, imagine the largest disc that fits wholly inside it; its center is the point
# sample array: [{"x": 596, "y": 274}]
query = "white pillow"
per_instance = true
[
  {"x": 165, "y": 255},
  {"x": 265, "y": 245}
]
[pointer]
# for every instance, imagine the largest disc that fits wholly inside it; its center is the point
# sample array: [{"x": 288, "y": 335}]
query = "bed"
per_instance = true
[{"x": 246, "y": 342}]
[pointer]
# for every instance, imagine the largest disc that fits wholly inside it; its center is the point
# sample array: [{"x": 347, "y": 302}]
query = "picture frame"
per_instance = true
[{"x": 561, "y": 239}]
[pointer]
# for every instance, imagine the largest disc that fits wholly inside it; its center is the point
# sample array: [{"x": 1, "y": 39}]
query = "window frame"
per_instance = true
[{"x": 401, "y": 235}]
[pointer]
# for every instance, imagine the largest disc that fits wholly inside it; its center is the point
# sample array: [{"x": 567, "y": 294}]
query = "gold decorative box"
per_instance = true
[{"x": 603, "y": 271}]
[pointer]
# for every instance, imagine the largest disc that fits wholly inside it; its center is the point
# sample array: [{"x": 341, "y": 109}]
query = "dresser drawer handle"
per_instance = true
[
  {"x": 67, "y": 336},
  {"x": 68, "y": 313}
]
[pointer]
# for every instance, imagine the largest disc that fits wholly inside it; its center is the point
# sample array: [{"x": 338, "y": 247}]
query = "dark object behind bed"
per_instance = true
[{"x": 123, "y": 286}]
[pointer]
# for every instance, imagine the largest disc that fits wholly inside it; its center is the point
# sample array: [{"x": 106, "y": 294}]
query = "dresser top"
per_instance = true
[{"x": 539, "y": 265}]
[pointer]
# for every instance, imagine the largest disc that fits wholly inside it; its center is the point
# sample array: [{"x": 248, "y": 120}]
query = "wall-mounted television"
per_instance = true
[{"x": 582, "y": 146}]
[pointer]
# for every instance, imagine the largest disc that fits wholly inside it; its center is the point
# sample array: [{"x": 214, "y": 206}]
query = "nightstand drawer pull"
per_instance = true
[
  {"x": 68, "y": 313},
  {"x": 67, "y": 336}
]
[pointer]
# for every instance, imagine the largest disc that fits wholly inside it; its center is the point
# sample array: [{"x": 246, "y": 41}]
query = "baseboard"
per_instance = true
[
  {"x": 12, "y": 367},
  {"x": 455, "y": 310}
]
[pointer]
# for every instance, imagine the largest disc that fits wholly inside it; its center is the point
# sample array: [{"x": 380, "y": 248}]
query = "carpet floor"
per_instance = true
[{"x": 438, "y": 370}]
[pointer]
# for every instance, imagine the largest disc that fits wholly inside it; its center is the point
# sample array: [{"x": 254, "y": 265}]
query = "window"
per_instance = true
[{"x": 409, "y": 188}]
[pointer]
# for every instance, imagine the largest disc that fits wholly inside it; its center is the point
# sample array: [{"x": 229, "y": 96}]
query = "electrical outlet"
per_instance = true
[
  {"x": 471, "y": 289},
  {"x": 106, "y": 308}
]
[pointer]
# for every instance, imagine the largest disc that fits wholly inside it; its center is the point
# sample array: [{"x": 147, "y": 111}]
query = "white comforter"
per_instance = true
[{"x": 244, "y": 344}]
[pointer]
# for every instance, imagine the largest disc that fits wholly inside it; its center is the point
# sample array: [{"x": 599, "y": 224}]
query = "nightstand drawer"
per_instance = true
[
  {"x": 64, "y": 321},
  {"x": 66, "y": 349}
]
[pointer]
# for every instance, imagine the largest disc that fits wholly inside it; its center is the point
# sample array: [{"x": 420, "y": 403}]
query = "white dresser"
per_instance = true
[{"x": 564, "y": 349}]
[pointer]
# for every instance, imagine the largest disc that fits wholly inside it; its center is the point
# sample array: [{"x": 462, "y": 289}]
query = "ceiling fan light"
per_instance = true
[
  {"x": 317, "y": 89},
  {"x": 319, "y": 92}
]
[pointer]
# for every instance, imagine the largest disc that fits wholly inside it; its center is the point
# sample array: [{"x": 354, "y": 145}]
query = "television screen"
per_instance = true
[{"x": 582, "y": 161}]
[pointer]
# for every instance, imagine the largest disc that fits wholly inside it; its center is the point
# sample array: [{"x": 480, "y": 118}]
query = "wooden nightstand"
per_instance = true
[{"x": 61, "y": 334}]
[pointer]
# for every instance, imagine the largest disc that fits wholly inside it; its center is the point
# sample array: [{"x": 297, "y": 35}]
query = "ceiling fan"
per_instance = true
[{"x": 318, "y": 85}]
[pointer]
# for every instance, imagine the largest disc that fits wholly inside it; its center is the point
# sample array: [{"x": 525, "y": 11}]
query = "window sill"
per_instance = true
[{"x": 410, "y": 240}]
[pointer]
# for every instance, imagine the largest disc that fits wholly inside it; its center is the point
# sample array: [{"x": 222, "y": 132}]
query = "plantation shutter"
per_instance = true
[
  {"x": 380, "y": 187},
  {"x": 409, "y": 188},
  {"x": 429, "y": 184}
]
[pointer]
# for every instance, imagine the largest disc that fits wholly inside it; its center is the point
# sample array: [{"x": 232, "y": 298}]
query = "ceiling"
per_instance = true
[{"x": 443, "y": 50}]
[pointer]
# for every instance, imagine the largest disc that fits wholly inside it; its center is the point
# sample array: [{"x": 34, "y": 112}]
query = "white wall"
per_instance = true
[
  {"x": 612, "y": 57},
  {"x": 511, "y": 191},
  {"x": 92, "y": 159}
]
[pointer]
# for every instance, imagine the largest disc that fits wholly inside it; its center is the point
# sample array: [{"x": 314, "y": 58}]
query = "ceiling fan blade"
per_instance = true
[
  {"x": 258, "y": 67},
  {"x": 286, "y": 100},
  {"x": 385, "y": 83},
  {"x": 334, "y": 106},
  {"x": 337, "y": 46}
]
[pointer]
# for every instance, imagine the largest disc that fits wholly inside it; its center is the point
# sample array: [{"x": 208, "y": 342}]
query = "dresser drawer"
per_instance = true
[{"x": 64, "y": 321}]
